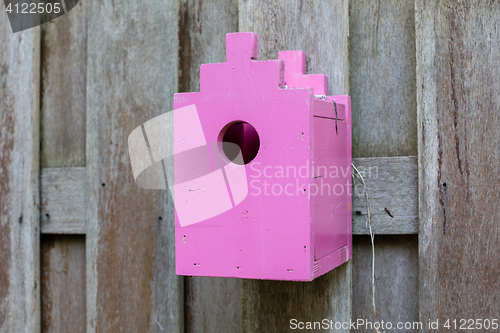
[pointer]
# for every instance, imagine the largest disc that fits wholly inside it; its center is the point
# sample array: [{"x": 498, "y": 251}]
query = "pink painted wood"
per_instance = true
[{"x": 289, "y": 216}]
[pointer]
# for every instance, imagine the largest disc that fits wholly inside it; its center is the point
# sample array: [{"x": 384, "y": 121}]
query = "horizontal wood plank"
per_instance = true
[
  {"x": 391, "y": 181},
  {"x": 63, "y": 200},
  {"x": 392, "y": 184}
]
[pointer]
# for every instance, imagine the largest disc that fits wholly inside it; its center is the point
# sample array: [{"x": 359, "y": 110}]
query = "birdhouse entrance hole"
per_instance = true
[{"x": 245, "y": 137}]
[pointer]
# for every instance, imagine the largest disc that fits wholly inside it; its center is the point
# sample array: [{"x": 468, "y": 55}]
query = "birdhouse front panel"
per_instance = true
[{"x": 278, "y": 207}]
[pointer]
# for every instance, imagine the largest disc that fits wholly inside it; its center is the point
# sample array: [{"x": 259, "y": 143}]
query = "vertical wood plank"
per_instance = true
[
  {"x": 133, "y": 74},
  {"x": 203, "y": 26},
  {"x": 211, "y": 304},
  {"x": 396, "y": 280},
  {"x": 458, "y": 80},
  {"x": 320, "y": 28},
  {"x": 63, "y": 283},
  {"x": 19, "y": 173},
  {"x": 63, "y": 109},
  {"x": 64, "y": 75},
  {"x": 384, "y": 116},
  {"x": 382, "y": 62}
]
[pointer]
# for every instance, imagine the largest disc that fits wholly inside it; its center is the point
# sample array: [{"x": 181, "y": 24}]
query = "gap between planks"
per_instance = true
[{"x": 392, "y": 184}]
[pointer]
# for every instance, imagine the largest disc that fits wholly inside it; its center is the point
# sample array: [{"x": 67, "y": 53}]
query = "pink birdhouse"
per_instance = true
[{"x": 278, "y": 206}]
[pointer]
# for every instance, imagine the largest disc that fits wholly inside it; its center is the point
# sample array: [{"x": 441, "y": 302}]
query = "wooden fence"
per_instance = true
[{"x": 82, "y": 248}]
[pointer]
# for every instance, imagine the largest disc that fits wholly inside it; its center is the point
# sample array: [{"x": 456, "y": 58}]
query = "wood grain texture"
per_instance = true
[
  {"x": 382, "y": 86},
  {"x": 63, "y": 200},
  {"x": 64, "y": 75},
  {"x": 19, "y": 185},
  {"x": 458, "y": 84},
  {"x": 268, "y": 306},
  {"x": 203, "y": 26},
  {"x": 211, "y": 304},
  {"x": 63, "y": 283},
  {"x": 133, "y": 74},
  {"x": 392, "y": 185},
  {"x": 396, "y": 280},
  {"x": 62, "y": 179},
  {"x": 320, "y": 28}
]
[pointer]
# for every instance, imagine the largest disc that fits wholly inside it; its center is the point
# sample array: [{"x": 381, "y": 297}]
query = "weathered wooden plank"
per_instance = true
[
  {"x": 19, "y": 173},
  {"x": 63, "y": 283},
  {"x": 391, "y": 181},
  {"x": 392, "y": 184},
  {"x": 458, "y": 80},
  {"x": 62, "y": 197},
  {"x": 62, "y": 189},
  {"x": 320, "y": 28},
  {"x": 64, "y": 69},
  {"x": 384, "y": 116},
  {"x": 133, "y": 73},
  {"x": 213, "y": 304},
  {"x": 202, "y": 37},
  {"x": 396, "y": 281},
  {"x": 382, "y": 63},
  {"x": 209, "y": 302}
]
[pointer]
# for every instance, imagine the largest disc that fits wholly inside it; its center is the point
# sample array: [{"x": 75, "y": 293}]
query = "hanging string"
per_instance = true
[{"x": 356, "y": 174}]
